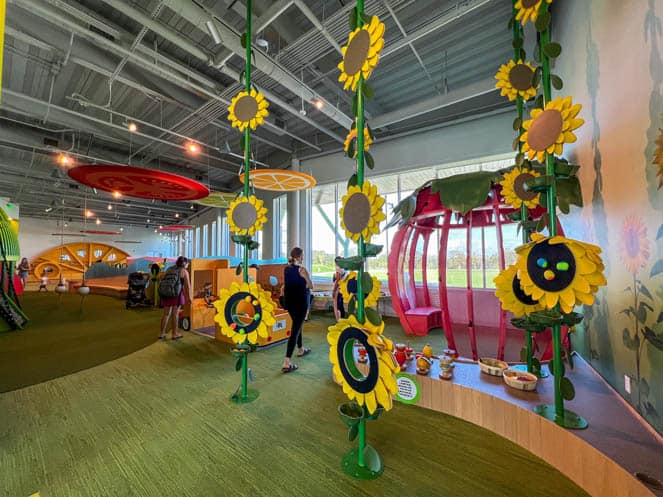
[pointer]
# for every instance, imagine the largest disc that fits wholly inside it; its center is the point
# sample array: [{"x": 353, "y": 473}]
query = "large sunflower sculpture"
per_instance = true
[
  {"x": 658, "y": 158},
  {"x": 248, "y": 109},
  {"x": 348, "y": 289},
  {"x": 549, "y": 129},
  {"x": 361, "y": 213},
  {"x": 634, "y": 244},
  {"x": 558, "y": 270},
  {"x": 245, "y": 312},
  {"x": 515, "y": 78},
  {"x": 352, "y": 135},
  {"x": 361, "y": 54},
  {"x": 528, "y": 10},
  {"x": 374, "y": 385},
  {"x": 513, "y": 188},
  {"x": 511, "y": 295},
  {"x": 246, "y": 215}
]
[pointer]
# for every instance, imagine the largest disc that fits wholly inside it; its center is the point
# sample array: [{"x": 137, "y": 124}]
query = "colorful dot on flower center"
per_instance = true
[
  {"x": 549, "y": 275},
  {"x": 256, "y": 317},
  {"x": 233, "y": 326},
  {"x": 542, "y": 263},
  {"x": 562, "y": 266}
]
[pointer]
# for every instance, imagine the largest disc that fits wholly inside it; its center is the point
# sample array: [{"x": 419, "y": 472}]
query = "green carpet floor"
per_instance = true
[{"x": 158, "y": 423}]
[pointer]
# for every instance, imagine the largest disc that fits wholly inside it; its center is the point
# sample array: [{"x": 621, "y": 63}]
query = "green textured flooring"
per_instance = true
[{"x": 158, "y": 423}]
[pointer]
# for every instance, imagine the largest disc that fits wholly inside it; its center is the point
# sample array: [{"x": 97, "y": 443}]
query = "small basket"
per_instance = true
[
  {"x": 493, "y": 367},
  {"x": 520, "y": 380}
]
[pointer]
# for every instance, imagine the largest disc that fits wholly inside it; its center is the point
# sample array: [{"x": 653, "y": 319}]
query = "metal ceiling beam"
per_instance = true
[{"x": 435, "y": 103}]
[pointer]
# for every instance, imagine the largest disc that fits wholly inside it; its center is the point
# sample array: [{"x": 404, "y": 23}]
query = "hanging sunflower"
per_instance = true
[
  {"x": 658, "y": 158},
  {"x": 549, "y": 129},
  {"x": 634, "y": 244},
  {"x": 352, "y": 135},
  {"x": 362, "y": 212},
  {"x": 361, "y": 54},
  {"x": 348, "y": 289},
  {"x": 374, "y": 388},
  {"x": 511, "y": 295},
  {"x": 513, "y": 188},
  {"x": 528, "y": 10},
  {"x": 248, "y": 109},
  {"x": 246, "y": 215},
  {"x": 245, "y": 312},
  {"x": 559, "y": 270},
  {"x": 514, "y": 79}
]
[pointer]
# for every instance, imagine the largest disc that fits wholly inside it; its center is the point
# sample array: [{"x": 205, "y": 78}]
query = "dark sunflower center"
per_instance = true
[
  {"x": 357, "y": 213},
  {"x": 358, "y": 381},
  {"x": 519, "y": 293},
  {"x": 246, "y": 108},
  {"x": 545, "y": 129},
  {"x": 244, "y": 215},
  {"x": 519, "y": 186},
  {"x": 528, "y": 4},
  {"x": 551, "y": 267},
  {"x": 356, "y": 53},
  {"x": 520, "y": 77}
]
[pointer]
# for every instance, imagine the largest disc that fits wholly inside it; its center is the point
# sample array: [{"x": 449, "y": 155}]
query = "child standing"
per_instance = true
[{"x": 44, "y": 282}]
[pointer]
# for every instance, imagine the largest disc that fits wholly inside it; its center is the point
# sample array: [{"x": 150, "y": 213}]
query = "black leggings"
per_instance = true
[{"x": 297, "y": 316}]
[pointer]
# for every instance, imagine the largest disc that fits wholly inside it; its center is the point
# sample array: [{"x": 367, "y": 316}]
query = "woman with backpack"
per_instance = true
[{"x": 174, "y": 291}]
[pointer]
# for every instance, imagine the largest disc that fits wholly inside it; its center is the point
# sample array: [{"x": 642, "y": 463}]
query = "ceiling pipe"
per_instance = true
[
  {"x": 210, "y": 27},
  {"x": 197, "y": 16},
  {"x": 318, "y": 25},
  {"x": 52, "y": 15}
]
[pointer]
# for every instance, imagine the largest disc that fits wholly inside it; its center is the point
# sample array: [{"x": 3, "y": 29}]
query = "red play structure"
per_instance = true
[{"x": 422, "y": 305}]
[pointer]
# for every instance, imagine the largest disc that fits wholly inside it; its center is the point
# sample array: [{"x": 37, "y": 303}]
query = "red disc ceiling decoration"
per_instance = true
[
  {"x": 101, "y": 232},
  {"x": 176, "y": 227},
  {"x": 138, "y": 182}
]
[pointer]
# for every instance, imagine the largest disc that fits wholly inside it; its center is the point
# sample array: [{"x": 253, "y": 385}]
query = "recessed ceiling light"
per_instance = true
[{"x": 132, "y": 127}]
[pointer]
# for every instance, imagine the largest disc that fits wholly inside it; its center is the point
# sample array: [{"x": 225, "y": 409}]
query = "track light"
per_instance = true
[
  {"x": 98, "y": 221},
  {"x": 192, "y": 148},
  {"x": 132, "y": 127},
  {"x": 64, "y": 160},
  {"x": 318, "y": 103},
  {"x": 110, "y": 207},
  {"x": 116, "y": 194},
  {"x": 177, "y": 214},
  {"x": 89, "y": 213}
]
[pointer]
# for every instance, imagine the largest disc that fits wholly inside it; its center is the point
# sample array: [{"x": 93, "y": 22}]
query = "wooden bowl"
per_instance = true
[
  {"x": 493, "y": 367},
  {"x": 520, "y": 380}
]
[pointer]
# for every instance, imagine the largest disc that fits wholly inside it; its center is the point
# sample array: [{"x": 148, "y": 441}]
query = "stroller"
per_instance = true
[{"x": 136, "y": 295}]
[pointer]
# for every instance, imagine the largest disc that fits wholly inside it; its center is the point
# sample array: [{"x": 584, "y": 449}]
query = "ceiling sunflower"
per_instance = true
[
  {"x": 658, "y": 158},
  {"x": 515, "y": 78},
  {"x": 361, "y": 213},
  {"x": 560, "y": 270},
  {"x": 372, "y": 387},
  {"x": 634, "y": 244},
  {"x": 352, "y": 135},
  {"x": 244, "y": 312},
  {"x": 348, "y": 289},
  {"x": 361, "y": 54},
  {"x": 246, "y": 215},
  {"x": 513, "y": 188},
  {"x": 511, "y": 295},
  {"x": 549, "y": 129},
  {"x": 248, "y": 109},
  {"x": 528, "y": 10}
]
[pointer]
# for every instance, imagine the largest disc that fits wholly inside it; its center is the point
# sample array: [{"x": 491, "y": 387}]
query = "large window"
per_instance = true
[{"x": 280, "y": 224}]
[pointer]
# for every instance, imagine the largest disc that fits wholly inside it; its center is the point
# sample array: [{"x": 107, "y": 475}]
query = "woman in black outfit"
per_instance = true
[{"x": 296, "y": 290}]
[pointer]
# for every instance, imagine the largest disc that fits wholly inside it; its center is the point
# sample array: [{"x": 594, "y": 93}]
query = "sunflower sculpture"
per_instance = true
[
  {"x": 513, "y": 188},
  {"x": 248, "y": 109},
  {"x": 361, "y": 213},
  {"x": 634, "y": 246},
  {"x": 374, "y": 386},
  {"x": 246, "y": 215},
  {"x": 528, "y": 10},
  {"x": 514, "y": 79},
  {"x": 658, "y": 158},
  {"x": 245, "y": 312},
  {"x": 559, "y": 270},
  {"x": 352, "y": 135},
  {"x": 511, "y": 295},
  {"x": 348, "y": 289},
  {"x": 361, "y": 54},
  {"x": 549, "y": 129}
]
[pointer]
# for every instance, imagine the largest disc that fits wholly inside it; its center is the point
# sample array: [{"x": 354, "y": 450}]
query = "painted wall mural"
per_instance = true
[{"x": 622, "y": 87}]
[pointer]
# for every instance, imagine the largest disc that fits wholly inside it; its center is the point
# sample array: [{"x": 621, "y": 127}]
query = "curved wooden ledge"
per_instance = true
[{"x": 487, "y": 402}]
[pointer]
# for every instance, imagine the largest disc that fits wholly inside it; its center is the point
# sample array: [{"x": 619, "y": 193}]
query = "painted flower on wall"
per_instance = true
[
  {"x": 528, "y": 10},
  {"x": 514, "y": 79},
  {"x": 634, "y": 246},
  {"x": 361, "y": 54},
  {"x": 549, "y": 129}
]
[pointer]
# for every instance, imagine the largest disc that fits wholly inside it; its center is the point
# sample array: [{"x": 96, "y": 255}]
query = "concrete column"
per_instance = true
[{"x": 294, "y": 238}]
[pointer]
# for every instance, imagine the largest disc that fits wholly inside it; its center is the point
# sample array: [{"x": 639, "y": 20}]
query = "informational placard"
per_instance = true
[{"x": 408, "y": 389}]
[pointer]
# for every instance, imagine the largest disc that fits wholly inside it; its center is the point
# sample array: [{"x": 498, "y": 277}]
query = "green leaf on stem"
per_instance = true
[
  {"x": 351, "y": 148},
  {"x": 556, "y": 82},
  {"x": 365, "y": 18},
  {"x": 238, "y": 364},
  {"x": 371, "y": 250},
  {"x": 368, "y": 159},
  {"x": 352, "y": 181},
  {"x": 243, "y": 40},
  {"x": 238, "y": 270},
  {"x": 552, "y": 50},
  {"x": 352, "y": 306},
  {"x": 543, "y": 21},
  {"x": 373, "y": 316},
  {"x": 523, "y": 354},
  {"x": 517, "y": 123},
  {"x": 517, "y": 44},
  {"x": 567, "y": 389},
  {"x": 353, "y": 431},
  {"x": 352, "y": 19},
  {"x": 350, "y": 263},
  {"x": 366, "y": 282},
  {"x": 367, "y": 90}
]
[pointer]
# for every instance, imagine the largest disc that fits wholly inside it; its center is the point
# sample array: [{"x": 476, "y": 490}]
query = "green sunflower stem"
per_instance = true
[
  {"x": 361, "y": 248},
  {"x": 362, "y": 442},
  {"x": 245, "y": 375},
  {"x": 528, "y": 346},
  {"x": 551, "y": 206},
  {"x": 247, "y": 153}
]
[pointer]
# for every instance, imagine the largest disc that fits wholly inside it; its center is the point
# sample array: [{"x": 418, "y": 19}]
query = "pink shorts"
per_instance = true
[{"x": 173, "y": 301}]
